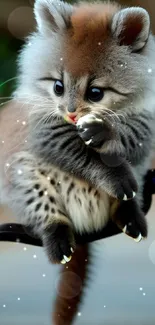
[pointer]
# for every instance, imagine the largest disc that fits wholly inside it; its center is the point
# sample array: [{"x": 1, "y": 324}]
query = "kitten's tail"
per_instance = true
[{"x": 72, "y": 285}]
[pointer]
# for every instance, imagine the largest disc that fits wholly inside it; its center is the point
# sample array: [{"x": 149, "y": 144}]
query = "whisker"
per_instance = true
[
  {"x": 5, "y": 82},
  {"x": 110, "y": 113}
]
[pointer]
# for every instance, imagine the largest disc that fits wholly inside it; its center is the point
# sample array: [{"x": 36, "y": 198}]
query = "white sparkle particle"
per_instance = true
[
  {"x": 29, "y": 44},
  {"x": 141, "y": 289},
  {"x": 34, "y": 256},
  {"x": 61, "y": 59},
  {"x": 25, "y": 248},
  {"x": 3, "y": 141},
  {"x": 10, "y": 227},
  {"x": 25, "y": 141},
  {"x": 69, "y": 307},
  {"x": 7, "y": 165},
  {"x": 85, "y": 260},
  {"x": 24, "y": 123},
  {"x": 99, "y": 43},
  {"x": 45, "y": 193},
  {"x": 17, "y": 240},
  {"x": 48, "y": 178},
  {"x": 144, "y": 294},
  {"x": 17, "y": 121},
  {"x": 140, "y": 144},
  {"x": 149, "y": 70},
  {"x": 66, "y": 267},
  {"x": 4, "y": 306},
  {"x": 44, "y": 275},
  {"x": 19, "y": 172},
  {"x": 79, "y": 314},
  {"x": 104, "y": 306},
  {"x": 18, "y": 298}
]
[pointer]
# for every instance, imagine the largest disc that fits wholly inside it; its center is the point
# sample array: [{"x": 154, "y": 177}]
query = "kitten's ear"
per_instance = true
[
  {"x": 131, "y": 26},
  {"x": 52, "y": 16}
]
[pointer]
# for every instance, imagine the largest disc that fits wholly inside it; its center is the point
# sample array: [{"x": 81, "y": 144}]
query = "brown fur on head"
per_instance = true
[{"x": 87, "y": 37}]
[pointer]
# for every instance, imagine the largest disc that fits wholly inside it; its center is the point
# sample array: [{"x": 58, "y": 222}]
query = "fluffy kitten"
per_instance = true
[{"x": 93, "y": 62}]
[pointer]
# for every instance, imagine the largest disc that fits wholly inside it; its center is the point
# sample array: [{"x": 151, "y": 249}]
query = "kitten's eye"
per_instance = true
[
  {"x": 94, "y": 94},
  {"x": 58, "y": 88}
]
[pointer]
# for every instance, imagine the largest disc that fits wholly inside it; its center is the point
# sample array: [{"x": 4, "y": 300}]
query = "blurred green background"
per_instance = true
[
  {"x": 16, "y": 22},
  {"x": 8, "y": 54}
]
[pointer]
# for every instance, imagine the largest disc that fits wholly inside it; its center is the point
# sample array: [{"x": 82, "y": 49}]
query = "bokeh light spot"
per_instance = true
[{"x": 21, "y": 22}]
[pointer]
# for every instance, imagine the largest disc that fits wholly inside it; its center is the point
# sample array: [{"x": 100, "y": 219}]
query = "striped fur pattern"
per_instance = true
[{"x": 72, "y": 178}]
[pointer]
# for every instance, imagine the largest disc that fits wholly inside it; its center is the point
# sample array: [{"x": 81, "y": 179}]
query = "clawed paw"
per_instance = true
[
  {"x": 91, "y": 130},
  {"x": 67, "y": 259},
  {"x": 124, "y": 183},
  {"x": 131, "y": 220},
  {"x": 137, "y": 236},
  {"x": 88, "y": 119},
  {"x": 125, "y": 198},
  {"x": 59, "y": 243},
  {"x": 136, "y": 226}
]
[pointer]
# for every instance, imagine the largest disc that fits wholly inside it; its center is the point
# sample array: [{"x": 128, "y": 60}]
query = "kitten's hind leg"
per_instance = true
[
  {"x": 131, "y": 220},
  {"x": 58, "y": 241},
  {"x": 37, "y": 202}
]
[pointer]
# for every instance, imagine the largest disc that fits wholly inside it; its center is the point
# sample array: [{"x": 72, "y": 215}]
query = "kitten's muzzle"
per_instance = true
[{"x": 72, "y": 117}]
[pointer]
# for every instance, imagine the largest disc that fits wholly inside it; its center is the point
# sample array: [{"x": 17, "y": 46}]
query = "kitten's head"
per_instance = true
[{"x": 86, "y": 58}]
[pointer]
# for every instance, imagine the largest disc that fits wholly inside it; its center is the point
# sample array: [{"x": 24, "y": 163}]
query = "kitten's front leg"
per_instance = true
[
  {"x": 38, "y": 204},
  {"x": 104, "y": 138},
  {"x": 62, "y": 146},
  {"x": 127, "y": 138}
]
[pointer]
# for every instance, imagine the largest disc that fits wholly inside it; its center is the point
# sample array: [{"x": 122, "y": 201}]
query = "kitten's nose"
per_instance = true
[{"x": 71, "y": 109}]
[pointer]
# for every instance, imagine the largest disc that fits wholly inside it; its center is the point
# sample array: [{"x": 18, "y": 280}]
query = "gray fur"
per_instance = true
[
  {"x": 52, "y": 16},
  {"x": 130, "y": 108}
]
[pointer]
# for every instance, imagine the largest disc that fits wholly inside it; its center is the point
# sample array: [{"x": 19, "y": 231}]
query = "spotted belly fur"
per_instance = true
[{"x": 43, "y": 194}]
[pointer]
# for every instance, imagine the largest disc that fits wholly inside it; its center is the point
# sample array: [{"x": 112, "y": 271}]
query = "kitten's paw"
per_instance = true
[
  {"x": 94, "y": 130},
  {"x": 124, "y": 184},
  {"x": 87, "y": 120},
  {"x": 58, "y": 240},
  {"x": 133, "y": 194},
  {"x": 132, "y": 221},
  {"x": 135, "y": 231}
]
